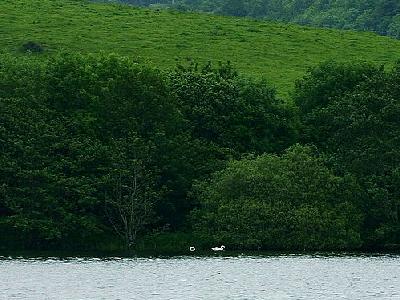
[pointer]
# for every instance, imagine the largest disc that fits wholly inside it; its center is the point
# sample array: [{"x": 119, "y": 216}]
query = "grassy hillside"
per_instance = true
[
  {"x": 380, "y": 16},
  {"x": 279, "y": 52}
]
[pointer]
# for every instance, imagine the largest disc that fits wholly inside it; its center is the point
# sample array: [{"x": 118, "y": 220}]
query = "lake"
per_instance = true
[{"x": 239, "y": 277}]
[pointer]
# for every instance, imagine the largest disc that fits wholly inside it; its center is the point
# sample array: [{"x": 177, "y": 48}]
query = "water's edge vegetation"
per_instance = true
[
  {"x": 102, "y": 152},
  {"x": 124, "y": 152}
]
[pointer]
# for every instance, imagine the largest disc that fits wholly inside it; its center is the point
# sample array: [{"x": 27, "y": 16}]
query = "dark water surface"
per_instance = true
[{"x": 186, "y": 278}]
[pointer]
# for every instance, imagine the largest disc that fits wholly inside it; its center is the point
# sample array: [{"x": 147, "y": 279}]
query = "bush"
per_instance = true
[
  {"x": 32, "y": 47},
  {"x": 279, "y": 202},
  {"x": 351, "y": 113}
]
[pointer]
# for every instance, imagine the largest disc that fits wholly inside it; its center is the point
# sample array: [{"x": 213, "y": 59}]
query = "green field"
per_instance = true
[{"x": 279, "y": 52}]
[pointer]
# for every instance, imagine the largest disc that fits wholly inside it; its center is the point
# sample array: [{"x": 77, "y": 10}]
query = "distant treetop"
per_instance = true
[{"x": 380, "y": 16}]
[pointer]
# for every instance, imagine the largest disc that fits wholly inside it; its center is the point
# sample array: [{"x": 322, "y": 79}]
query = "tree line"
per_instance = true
[
  {"x": 100, "y": 150},
  {"x": 380, "y": 16}
]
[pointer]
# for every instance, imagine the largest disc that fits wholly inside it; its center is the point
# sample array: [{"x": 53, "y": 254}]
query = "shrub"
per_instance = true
[
  {"x": 291, "y": 201},
  {"x": 32, "y": 47}
]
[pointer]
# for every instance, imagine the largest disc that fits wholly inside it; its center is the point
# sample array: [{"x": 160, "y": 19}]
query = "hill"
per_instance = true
[
  {"x": 280, "y": 52},
  {"x": 380, "y": 16}
]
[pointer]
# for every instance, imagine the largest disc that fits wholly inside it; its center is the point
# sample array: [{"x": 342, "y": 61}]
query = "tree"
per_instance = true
[
  {"x": 128, "y": 206},
  {"x": 231, "y": 112},
  {"x": 57, "y": 133},
  {"x": 373, "y": 15},
  {"x": 292, "y": 201},
  {"x": 352, "y": 117},
  {"x": 319, "y": 88}
]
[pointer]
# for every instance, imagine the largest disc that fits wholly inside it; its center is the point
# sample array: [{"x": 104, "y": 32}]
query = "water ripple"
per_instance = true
[{"x": 243, "y": 277}]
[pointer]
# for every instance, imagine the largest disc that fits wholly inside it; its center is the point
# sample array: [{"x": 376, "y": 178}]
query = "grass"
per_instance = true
[{"x": 279, "y": 52}]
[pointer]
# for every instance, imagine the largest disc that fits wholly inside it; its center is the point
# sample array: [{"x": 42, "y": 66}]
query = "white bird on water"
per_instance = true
[
  {"x": 222, "y": 248},
  {"x": 192, "y": 249}
]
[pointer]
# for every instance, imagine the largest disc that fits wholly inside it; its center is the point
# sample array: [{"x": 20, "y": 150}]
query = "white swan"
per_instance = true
[
  {"x": 192, "y": 249},
  {"x": 222, "y": 248}
]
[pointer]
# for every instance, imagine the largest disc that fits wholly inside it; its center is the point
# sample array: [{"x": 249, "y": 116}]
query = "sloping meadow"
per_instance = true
[{"x": 279, "y": 52}]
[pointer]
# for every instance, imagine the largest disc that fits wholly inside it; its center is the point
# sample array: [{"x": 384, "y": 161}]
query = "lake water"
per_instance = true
[{"x": 269, "y": 277}]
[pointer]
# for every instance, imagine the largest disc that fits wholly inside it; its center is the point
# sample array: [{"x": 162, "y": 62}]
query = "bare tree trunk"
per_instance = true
[{"x": 131, "y": 207}]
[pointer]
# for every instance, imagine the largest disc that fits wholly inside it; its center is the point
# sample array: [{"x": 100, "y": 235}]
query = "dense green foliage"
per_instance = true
[
  {"x": 381, "y": 16},
  {"x": 75, "y": 131},
  {"x": 233, "y": 112},
  {"x": 344, "y": 197},
  {"x": 352, "y": 114},
  {"x": 97, "y": 148},
  {"x": 279, "y": 52},
  {"x": 272, "y": 202},
  {"x": 67, "y": 127},
  {"x": 104, "y": 151}
]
